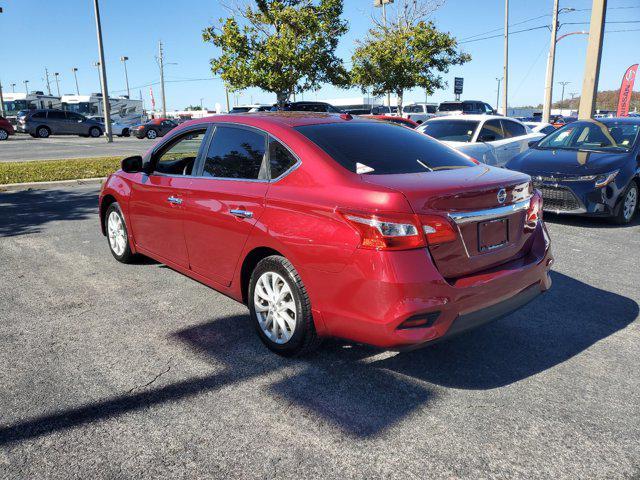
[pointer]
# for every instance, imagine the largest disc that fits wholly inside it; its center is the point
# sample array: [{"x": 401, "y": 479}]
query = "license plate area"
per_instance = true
[{"x": 493, "y": 234}]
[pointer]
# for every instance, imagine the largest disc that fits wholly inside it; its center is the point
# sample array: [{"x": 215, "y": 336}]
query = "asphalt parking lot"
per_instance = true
[
  {"x": 22, "y": 147},
  {"x": 135, "y": 371}
]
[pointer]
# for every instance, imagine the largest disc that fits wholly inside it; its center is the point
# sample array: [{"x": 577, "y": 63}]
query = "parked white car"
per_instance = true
[
  {"x": 490, "y": 139},
  {"x": 117, "y": 128},
  {"x": 540, "y": 127},
  {"x": 419, "y": 112}
]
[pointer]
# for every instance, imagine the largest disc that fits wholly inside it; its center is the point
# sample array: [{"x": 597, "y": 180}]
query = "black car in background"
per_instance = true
[
  {"x": 43, "y": 123},
  {"x": 588, "y": 167},
  {"x": 307, "y": 107}
]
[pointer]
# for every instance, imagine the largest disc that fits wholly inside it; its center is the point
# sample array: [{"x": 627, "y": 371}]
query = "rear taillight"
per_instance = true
[
  {"x": 534, "y": 212},
  {"x": 437, "y": 229},
  {"x": 392, "y": 231},
  {"x": 386, "y": 231}
]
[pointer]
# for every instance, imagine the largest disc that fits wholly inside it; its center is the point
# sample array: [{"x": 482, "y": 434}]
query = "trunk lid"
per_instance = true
[{"x": 460, "y": 195}]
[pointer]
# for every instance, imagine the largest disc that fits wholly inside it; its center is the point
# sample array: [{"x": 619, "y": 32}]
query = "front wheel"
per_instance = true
[
  {"x": 152, "y": 134},
  {"x": 3, "y": 134},
  {"x": 43, "y": 132},
  {"x": 627, "y": 205},
  {"x": 280, "y": 308},
  {"x": 125, "y": 132},
  {"x": 95, "y": 132},
  {"x": 117, "y": 235}
]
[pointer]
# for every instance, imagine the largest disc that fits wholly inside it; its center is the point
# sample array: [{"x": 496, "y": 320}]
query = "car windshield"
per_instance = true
[
  {"x": 593, "y": 135},
  {"x": 379, "y": 148},
  {"x": 450, "y": 130}
]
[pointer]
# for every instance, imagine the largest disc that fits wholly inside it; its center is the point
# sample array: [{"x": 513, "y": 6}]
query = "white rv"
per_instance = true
[
  {"x": 14, "y": 102},
  {"x": 123, "y": 110}
]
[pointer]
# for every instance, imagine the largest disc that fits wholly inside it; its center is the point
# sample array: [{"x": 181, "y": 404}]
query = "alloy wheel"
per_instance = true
[
  {"x": 630, "y": 203},
  {"x": 43, "y": 132},
  {"x": 117, "y": 233},
  {"x": 275, "y": 307},
  {"x": 3, "y": 134},
  {"x": 151, "y": 134}
]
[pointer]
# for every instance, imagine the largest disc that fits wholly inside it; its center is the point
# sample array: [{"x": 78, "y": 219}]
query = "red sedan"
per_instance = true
[
  {"x": 6, "y": 129},
  {"x": 328, "y": 225}
]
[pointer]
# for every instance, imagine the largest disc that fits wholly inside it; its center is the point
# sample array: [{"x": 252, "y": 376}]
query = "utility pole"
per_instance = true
[
  {"x": 103, "y": 75},
  {"x": 499, "y": 79},
  {"x": 551, "y": 59},
  {"x": 26, "y": 86},
  {"x": 564, "y": 84},
  {"x": 75, "y": 75},
  {"x": 201, "y": 103},
  {"x": 573, "y": 95},
  {"x": 1, "y": 101},
  {"x": 46, "y": 77},
  {"x": 13, "y": 88},
  {"x": 594, "y": 56},
  {"x": 126, "y": 75},
  {"x": 97, "y": 65},
  {"x": 383, "y": 4},
  {"x": 505, "y": 73},
  {"x": 56, "y": 75},
  {"x": 226, "y": 91},
  {"x": 161, "y": 63}
]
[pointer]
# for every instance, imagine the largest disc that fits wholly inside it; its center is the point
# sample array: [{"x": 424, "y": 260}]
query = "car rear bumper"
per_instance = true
[{"x": 370, "y": 301}]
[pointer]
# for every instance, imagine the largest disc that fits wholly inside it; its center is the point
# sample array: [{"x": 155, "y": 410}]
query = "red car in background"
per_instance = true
[
  {"x": 6, "y": 129},
  {"x": 158, "y": 127},
  {"x": 331, "y": 225},
  {"x": 389, "y": 118}
]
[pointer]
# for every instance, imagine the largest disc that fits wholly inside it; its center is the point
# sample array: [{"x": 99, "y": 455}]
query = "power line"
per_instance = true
[
  {"x": 499, "y": 29},
  {"x": 501, "y": 35}
]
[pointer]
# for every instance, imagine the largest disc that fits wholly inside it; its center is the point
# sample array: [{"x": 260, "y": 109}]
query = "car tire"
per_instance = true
[
  {"x": 95, "y": 132},
  {"x": 152, "y": 134},
  {"x": 125, "y": 132},
  {"x": 43, "y": 132},
  {"x": 3, "y": 134},
  {"x": 273, "y": 315},
  {"x": 627, "y": 204},
  {"x": 117, "y": 234}
]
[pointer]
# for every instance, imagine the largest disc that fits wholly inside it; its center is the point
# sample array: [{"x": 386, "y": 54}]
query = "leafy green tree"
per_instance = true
[
  {"x": 280, "y": 46},
  {"x": 405, "y": 55}
]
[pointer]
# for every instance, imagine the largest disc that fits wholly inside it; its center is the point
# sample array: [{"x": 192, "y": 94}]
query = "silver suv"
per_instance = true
[{"x": 44, "y": 123}]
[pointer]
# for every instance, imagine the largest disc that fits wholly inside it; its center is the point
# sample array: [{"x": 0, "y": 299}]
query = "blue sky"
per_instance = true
[{"x": 61, "y": 35}]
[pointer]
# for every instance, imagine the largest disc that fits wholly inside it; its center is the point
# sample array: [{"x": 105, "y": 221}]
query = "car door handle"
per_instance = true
[
  {"x": 175, "y": 200},
  {"x": 241, "y": 213}
]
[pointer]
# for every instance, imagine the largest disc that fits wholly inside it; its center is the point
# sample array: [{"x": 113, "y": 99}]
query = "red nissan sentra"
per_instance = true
[{"x": 328, "y": 225}]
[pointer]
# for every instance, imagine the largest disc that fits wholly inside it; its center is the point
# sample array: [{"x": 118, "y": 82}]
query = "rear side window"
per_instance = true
[
  {"x": 450, "y": 130},
  {"x": 450, "y": 107},
  {"x": 491, "y": 131},
  {"x": 236, "y": 153},
  {"x": 53, "y": 115},
  {"x": 513, "y": 129},
  {"x": 280, "y": 159},
  {"x": 39, "y": 115},
  {"x": 379, "y": 148}
]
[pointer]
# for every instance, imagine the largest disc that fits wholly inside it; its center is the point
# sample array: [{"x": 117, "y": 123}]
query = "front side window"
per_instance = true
[
  {"x": 236, "y": 153},
  {"x": 378, "y": 148},
  {"x": 76, "y": 117},
  {"x": 280, "y": 158},
  {"x": 450, "y": 130},
  {"x": 179, "y": 156},
  {"x": 491, "y": 131}
]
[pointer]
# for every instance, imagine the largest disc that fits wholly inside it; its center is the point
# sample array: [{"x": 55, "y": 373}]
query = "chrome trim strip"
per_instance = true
[{"x": 489, "y": 213}]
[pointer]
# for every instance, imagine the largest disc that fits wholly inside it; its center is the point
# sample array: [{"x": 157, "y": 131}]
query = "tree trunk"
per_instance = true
[
  {"x": 282, "y": 98},
  {"x": 399, "y": 95}
]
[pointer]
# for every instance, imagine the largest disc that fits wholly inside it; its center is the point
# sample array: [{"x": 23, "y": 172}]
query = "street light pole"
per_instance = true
[
  {"x": 75, "y": 76},
  {"x": 46, "y": 77},
  {"x": 564, "y": 84},
  {"x": 505, "y": 73},
  {"x": 161, "y": 60},
  {"x": 499, "y": 79},
  {"x": 126, "y": 75},
  {"x": 103, "y": 75},
  {"x": 551, "y": 59},
  {"x": 56, "y": 75},
  {"x": 1, "y": 101},
  {"x": 13, "y": 88},
  {"x": 26, "y": 86},
  {"x": 594, "y": 56}
]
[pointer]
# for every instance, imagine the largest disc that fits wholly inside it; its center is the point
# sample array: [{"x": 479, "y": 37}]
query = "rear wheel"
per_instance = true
[
  {"x": 280, "y": 308},
  {"x": 117, "y": 235},
  {"x": 43, "y": 132},
  {"x": 95, "y": 132},
  {"x": 3, "y": 134},
  {"x": 152, "y": 134},
  {"x": 627, "y": 205},
  {"x": 125, "y": 132}
]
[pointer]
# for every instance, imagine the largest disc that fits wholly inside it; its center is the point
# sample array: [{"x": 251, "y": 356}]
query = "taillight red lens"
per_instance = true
[
  {"x": 386, "y": 231},
  {"x": 437, "y": 229},
  {"x": 534, "y": 213}
]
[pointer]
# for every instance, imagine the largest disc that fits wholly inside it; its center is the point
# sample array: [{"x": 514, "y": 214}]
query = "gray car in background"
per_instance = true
[{"x": 46, "y": 122}]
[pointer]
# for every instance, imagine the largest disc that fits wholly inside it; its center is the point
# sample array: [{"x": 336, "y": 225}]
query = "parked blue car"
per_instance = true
[{"x": 588, "y": 167}]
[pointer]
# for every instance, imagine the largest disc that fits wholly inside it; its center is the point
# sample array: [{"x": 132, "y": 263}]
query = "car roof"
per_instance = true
[
  {"x": 281, "y": 118},
  {"x": 473, "y": 117},
  {"x": 629, "y": 120}
]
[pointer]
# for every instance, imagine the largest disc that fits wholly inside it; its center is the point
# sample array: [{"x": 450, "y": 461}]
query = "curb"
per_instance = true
[{"x": 10, "y": 187}]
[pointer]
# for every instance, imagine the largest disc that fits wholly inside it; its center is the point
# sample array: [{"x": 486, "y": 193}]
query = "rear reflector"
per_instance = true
[
  {"x": 534, "y": 213},
  {"x": 419, "y": 321}
]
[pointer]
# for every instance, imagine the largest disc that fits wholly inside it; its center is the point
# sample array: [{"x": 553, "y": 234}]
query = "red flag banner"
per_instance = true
[
  {"x": 626, "y": 89},
  {"x": 153, "y": 100}
]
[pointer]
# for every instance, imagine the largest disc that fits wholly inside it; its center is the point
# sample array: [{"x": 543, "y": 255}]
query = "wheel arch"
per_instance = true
[
  {"x": 106, "y": 202},
  {"x": 249, "y": 264}
]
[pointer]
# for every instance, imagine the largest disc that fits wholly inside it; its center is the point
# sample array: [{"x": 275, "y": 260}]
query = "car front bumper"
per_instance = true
[
  {"x": 370, "y": 300},
  {"x": 579, "y": 198}
]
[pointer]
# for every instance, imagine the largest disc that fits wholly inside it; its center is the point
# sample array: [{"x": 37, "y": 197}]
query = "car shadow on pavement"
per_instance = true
[
  {"x": 590, "y": 222},
  {"x": 351, "y": 388},
  {"x": 25, "y": 212}
]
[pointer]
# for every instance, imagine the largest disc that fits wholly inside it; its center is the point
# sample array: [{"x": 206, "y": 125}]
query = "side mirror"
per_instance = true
[
  {"x": 533, "y": 143},
  {"x": 132, "y": 164}
]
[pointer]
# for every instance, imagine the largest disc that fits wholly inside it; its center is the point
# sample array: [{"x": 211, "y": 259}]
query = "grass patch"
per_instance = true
[{"x": 51, "y": 170}]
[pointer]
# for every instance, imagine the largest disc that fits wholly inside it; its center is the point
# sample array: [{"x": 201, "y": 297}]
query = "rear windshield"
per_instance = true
[
  {"x": 450, "y": 130},
  {"x": 378, "y": 148},
  {"x": 450, "y": 107}
]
